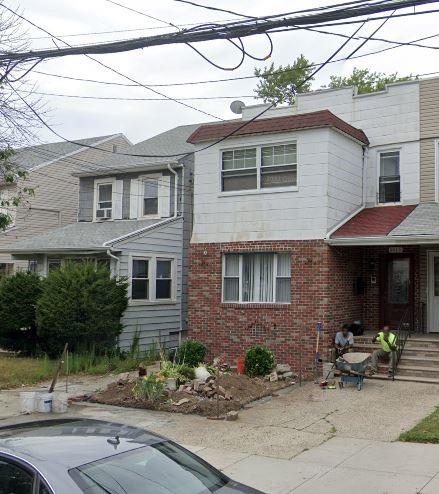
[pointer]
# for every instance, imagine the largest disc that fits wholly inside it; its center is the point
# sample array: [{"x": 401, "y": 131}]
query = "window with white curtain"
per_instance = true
[{"x": 263, "y": 277}]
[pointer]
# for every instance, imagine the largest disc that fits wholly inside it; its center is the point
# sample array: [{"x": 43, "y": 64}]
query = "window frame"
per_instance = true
[
  {"x": 98, "y": 182},
  {"x": 240, "y": 278},
  {"x": 152, "y": 278},
  {"x": 259, "y": 189},
  {"x": 378, "y": 168},
  {"x": 142, "y": 179},
  {"x": 27, "y": 467}
]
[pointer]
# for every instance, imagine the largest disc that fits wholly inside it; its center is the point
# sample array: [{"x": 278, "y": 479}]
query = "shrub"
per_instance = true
[
  {"x": 150, "y": 388},
  {"x": 259, "y": 361},
  {"x": 18, "y": 298},
  {"x": 191, "y": 353},
  {"x": 181, "y": 372},
  {"x": 81, "y": 305}
]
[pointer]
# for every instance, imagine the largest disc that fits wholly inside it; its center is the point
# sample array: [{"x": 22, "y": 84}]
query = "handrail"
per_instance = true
[{"x": 402, "y": 334}]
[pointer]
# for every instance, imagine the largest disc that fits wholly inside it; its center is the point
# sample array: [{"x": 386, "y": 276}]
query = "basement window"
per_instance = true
[{"x": 257, "y": 278}]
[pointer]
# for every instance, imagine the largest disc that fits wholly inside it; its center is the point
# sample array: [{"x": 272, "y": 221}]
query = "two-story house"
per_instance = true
[
  {"x": 323, "y": 211},
  {"x": 134, "y": 216},
  {"x": 54, "y": 203}
]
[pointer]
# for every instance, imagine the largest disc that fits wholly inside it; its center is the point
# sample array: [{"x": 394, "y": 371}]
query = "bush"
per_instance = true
[
  {"x": 149, "y": 388},
  {"x": 191, "y": 353},
  {"x": 180, "y": 372},
  {"x": 18, "y": 298},
  {"x": 82, "y": 306},
  {"x": 259, "y": 361}
]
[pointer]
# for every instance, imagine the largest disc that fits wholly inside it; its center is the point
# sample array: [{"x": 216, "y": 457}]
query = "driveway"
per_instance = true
[{"x": 309, "y": 440}]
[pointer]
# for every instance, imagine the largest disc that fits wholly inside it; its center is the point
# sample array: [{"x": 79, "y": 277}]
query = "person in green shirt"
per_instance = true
[{"x": 387, "y": 339}]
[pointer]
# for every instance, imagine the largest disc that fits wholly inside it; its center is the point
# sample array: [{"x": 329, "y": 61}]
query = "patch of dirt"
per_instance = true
[{"x": 243, "y": 390}]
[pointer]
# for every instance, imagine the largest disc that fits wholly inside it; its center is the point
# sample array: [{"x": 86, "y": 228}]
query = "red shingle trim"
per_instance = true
[
  {"x": 323, "y": 118},
  {"x": 374, "y": 222}
]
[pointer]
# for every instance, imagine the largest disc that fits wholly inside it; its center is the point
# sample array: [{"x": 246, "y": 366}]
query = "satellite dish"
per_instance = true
[{"x": 237, "y": 106}]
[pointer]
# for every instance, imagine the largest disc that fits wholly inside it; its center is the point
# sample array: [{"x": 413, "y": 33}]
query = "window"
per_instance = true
[
  {"x": 104, "y": 203},
  {"x": 15, "y": 479},
  {"x": 163, "y": 281},
  {"x": 150, "y": 196},
  {"x": 389, "y": 180},
  {"x": 140, "y": 280},
  {"x": 53, "y": 264},
  {"x": 6, "y": 269},
  {"x": 32, "y": 265},
  {"x": 260, "y": 167},
  {"x": 257, "y": 278}
]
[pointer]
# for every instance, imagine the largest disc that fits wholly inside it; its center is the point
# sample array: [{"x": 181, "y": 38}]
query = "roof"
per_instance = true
[
  {"x": 81, "y": 236},
  {"x": 323, "y": 118},
  {"x": 172, "y": 142},
  {"x": 32, "y": 156},
  {"x": 374, "y": 222},
  {"x": 424, "y": 220},
  {"x": 71, "y": 442}
]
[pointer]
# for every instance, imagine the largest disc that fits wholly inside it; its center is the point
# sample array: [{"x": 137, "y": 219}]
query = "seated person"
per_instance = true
[
  {"x": 387, "y": 340},
  {"x": 344, "y": 340}
]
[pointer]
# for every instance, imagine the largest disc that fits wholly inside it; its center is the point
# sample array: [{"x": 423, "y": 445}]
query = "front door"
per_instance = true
[
  {"x": 433, "y": 292},
  {"x": 397, "y": 292}
]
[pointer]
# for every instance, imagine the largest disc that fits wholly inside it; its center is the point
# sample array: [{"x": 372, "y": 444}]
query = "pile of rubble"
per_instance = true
[
  {"x": 205, "y": 389},
  {"x": 281, "y": 373}
]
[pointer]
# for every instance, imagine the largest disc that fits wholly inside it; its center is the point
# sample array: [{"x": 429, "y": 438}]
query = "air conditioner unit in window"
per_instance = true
[{"x": 103, "y": 214}]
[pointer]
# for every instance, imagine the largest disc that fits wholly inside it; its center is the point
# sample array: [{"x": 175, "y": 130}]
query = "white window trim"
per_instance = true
[
  {"x": 436, "y": 170},
  {"x": 152, "y": 277},
  {"x": 140, "y": 214},
  {"x": 240, "y": 301},
  {"x": 258, "y": 190},
  {"x": 103, "y": 181},
  {"x": 378, "y": 174}
]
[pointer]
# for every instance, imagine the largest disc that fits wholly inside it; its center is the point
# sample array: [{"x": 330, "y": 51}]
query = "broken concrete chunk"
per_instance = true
[
  {"x": 282, "y": 368},
  {"x": 286, "y": 375},
  {"x": 274, "y": 377},
  {"x": 182, "y": 402},
  {"x": 232, "y": 415}
]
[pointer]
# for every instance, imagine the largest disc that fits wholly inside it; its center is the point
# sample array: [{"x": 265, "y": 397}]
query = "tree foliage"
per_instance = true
[
  {"x": 279, "y": 85},
  {"x": 82, "y": 306},
  {"x": 366, "y": 81},
  {"x": 18, "y": 299}
]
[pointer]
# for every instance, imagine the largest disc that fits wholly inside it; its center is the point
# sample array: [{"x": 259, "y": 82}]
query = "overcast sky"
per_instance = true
[{"x": 78, "y": 118}]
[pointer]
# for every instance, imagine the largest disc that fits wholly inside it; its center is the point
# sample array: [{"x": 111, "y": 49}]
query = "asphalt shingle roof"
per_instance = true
[
  {"x": 79, "y": 236},
  {"x": 424, "y": 220},
  {"x": 323, "y": 118},
  {"x": 32, "y": 156}
]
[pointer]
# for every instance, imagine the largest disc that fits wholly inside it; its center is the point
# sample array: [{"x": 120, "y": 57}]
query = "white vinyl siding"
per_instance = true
[{"x": 262, "y": 277}]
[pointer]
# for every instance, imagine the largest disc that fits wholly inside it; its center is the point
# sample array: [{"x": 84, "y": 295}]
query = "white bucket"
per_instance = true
[
  {"x": 27, "y": 399},
  {"x": 60, "y": 403},
  {"x": 43, "y": 402}
]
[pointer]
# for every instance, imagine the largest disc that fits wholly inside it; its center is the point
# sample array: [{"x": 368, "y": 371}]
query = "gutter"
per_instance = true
[
  {"x": 175, "y": 188},
  {"x": 388, "y": 240},
  {"x": 116, "y": 258}
]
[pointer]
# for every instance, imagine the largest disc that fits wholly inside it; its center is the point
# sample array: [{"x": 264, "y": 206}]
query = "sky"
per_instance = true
[{"x": 139, "y": 120}]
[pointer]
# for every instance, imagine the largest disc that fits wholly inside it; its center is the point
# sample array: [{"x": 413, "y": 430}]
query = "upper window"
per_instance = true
[
  {"x": 104, "y": 202},
  {"x": 258, "y": 278},
  {"x": 260, "y": 167},
  {"x": 389, "y": 180},
  {"x": 150, "y": 196}
]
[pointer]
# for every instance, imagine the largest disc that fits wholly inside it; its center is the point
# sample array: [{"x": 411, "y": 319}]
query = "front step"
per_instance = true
[
  {"x": 411, "y": 370},
  {"x": 418, "y": 360},
  {"x": 414, "y": 379}
]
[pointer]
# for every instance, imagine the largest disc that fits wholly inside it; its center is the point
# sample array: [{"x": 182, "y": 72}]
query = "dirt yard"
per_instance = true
[{"x": 242, "y": 390}]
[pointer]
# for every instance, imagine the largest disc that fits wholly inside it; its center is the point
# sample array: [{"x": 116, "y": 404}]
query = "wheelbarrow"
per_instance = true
[{"x": 352, "y": 366}]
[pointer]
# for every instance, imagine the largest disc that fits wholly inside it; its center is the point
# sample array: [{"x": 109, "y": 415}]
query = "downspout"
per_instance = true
[
  {"x": 110, "y": 254},
  {"x": 175, "y": 188}
]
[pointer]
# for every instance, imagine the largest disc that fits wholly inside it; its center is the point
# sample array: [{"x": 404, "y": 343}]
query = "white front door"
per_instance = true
[{"x": 433, "y": 292}]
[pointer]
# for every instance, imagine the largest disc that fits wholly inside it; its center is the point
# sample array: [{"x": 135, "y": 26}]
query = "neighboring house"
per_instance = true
[
  {"x": 55, "y": 200},
  {"x": 324, "y": 211},
  {"x": 135, "y": 215}
]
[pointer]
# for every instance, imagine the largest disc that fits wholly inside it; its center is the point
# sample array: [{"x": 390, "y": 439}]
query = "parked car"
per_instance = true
[{"x": 72, "y": 456}]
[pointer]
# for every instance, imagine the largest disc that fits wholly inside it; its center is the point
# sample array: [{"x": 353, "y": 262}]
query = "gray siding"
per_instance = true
[{"x": 159, "y": 322}]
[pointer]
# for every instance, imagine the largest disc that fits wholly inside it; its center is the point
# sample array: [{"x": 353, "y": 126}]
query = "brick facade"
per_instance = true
[{"x": 322, "y": 289}]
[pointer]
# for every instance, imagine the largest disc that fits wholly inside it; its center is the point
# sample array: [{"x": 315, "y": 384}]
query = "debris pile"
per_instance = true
[
  {"x": 281, "y": 373},
  {"x": 205, "y": 389}
]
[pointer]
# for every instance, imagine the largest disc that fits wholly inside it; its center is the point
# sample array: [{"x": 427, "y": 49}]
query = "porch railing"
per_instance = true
[{"x": 402, "y": 334}]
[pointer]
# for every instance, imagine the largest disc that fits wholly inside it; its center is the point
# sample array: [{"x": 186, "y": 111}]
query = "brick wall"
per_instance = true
[{"x": 321, "y": 290}]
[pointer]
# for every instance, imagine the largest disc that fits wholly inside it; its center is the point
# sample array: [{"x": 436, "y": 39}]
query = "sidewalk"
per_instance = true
[{"x": 339, "y": 466}]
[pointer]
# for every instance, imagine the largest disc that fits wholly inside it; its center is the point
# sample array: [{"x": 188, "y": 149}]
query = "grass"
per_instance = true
[
  {"x": 427, "y": 431},
  {"x": 16, "y": 371}
]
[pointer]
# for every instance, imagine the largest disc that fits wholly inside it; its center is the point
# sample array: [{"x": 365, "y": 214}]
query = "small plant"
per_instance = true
[
  {"x": 259, "y": 361},
  {"x": 191, "y": 353},
  {"x": 180, "y": 372},
  {"x": 149, "y": 388}
]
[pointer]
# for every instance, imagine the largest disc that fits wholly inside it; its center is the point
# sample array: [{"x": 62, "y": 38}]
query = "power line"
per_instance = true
[{"x": 238, "y": 29}]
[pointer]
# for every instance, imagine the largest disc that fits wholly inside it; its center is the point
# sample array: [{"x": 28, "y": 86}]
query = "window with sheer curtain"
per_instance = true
[{"x": 263, "y": 277}]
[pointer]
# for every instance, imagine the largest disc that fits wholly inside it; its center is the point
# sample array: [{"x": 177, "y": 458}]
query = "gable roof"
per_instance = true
[
  {"x": 32, "y": 156},
  {"x": 170, "y": 142},
  {"x": 323, "y": 118}
]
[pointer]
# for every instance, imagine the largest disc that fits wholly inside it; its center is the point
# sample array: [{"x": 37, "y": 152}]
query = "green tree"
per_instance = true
[
  {"x": 279, "y": 85},
  {"x": 81, "y": 305},
  {"x": 18, "y": 299},
  {"x": 367, "y": 81}
]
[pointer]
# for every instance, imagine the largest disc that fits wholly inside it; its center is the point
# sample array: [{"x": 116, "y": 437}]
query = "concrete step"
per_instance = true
[
  {"x": 413, "y": 370},
  {"x": 421, "y": 352},
  {"x": 416, "y": 379},
  {"x": 419, "y": 360},
  {"x": 422, "y": 342}
]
